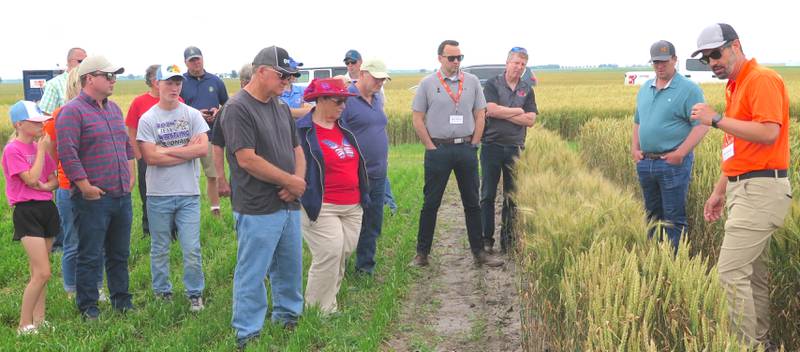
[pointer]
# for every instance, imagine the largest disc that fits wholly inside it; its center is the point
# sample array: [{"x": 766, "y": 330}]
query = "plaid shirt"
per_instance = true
[
  {"x": 55, "y": 93},
  {"x": 93, "y": 144}
]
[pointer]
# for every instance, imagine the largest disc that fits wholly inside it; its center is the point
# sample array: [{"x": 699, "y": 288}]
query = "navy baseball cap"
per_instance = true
[
  {"x": 352, "y": 54},
  {"x": 191, "y": 53}
]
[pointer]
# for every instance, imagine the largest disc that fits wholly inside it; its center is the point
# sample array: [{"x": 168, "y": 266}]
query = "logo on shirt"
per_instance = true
[
  {"x": 522, "y": 93},
  {"x": 211, "y": 89},
  {"x": 344, "y": 151},
  {"x": 173, "y": 133}
]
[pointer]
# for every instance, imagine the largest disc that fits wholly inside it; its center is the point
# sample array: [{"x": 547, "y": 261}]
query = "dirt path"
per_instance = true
[{"x": 453, "y": 306}]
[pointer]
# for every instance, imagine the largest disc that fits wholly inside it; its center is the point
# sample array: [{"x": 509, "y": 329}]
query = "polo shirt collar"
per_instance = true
[
  {"x": 669, "y": 84},
  {"x": 353, "y": 89},
  {"x": 200, "y": 78},
  {"x": 521, "y": 83},
  {"x": 746, "y": 69}
]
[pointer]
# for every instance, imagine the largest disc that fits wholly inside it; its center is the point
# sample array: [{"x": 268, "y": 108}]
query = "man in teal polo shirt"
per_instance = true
[{"x": 664, "y": 136}]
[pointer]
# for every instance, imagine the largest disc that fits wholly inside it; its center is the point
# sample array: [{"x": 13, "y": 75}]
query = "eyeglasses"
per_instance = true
[
  {"x": 110, "y": 76},
  {"x": 338, "y": 101},
  {"x": 453, "y": 58},
  {"x": 519, "y": 49},
  {"x": 79, "y": 61},
  {"x": 350, "y": 62},
  {"x": 282, "y": 75},
  {"x": 716, "y": 54}
]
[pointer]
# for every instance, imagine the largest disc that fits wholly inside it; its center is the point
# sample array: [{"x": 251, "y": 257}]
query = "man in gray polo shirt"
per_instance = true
[
  {"x": 449, "y": 111},
  {"x": 511, "y": 110},
  {"x": 268, "y": 175}
]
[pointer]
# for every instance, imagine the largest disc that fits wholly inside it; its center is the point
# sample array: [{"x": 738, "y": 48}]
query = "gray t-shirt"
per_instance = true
[
  {"x": 269, "y": 129},
  {"x": 172, "y": 128},
  {"x": 442, "y": 118}
]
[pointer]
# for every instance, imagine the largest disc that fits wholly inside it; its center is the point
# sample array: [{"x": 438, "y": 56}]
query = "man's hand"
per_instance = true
[
  {"x": 296, "y": 186},
  {"x": 703, "y": 113},
  {"x": 285, "y": 196},
  {"x": 92, "y": 192},
  {"x": 637, "y": 155},
  {"x": 674, "y": 157},
  {"x": 712, "y": 210},
  {"x": 223, "y": 187}
]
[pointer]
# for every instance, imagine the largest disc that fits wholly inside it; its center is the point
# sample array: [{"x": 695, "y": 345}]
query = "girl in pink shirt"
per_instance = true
[{"x": 30, "y": 180}]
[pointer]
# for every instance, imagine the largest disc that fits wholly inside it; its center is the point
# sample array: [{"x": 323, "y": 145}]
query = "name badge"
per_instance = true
[
  {"x": 727, "y": 152},
  {"x": 456, "y": 119}
]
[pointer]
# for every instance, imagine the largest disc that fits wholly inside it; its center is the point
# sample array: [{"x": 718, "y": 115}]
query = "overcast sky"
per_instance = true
[{"x": 135, "y": 34}]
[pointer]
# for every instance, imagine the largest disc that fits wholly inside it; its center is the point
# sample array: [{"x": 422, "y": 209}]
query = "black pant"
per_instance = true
[
  {"x": 497, "y": 159},
  {"x": 141, "y": 171},
  {"x": 463, "y": 160}
]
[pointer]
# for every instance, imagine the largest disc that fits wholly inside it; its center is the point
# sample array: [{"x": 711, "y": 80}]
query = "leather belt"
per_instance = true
[
  {"x": 459, "y": 140},
  {"x": 656, "y": 156},
  {"x": 758, "y": 173}
]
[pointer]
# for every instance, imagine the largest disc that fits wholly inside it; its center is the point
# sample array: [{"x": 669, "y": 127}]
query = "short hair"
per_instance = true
[
  {"x": 518, "y": 53},
  {"x": 83, "y": 80},
  {"x": 150, "y": 74},
  {"x": 246, "y": 73},
  {"x": 72, "y": 51},
  {"x": 445, "y": 43}
]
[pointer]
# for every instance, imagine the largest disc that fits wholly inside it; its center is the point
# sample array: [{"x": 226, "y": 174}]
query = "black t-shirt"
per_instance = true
[{"x": 496, "y": 90}]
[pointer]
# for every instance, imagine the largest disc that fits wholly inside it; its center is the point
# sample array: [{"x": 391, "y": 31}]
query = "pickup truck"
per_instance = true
[{"x": 693, "y": 69}]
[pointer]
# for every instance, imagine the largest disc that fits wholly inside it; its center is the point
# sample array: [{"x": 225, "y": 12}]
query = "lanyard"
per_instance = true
[{"x": 456, "y": 98}]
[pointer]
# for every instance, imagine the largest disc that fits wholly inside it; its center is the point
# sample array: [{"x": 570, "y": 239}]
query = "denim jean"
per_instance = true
[
  {"x": 664, "y": 188},
  {"x": 69, "y": 227},
  {"x": 184, "y": 212},
  {"x": 141, "y": 170},
  {"x": 388, "y": 199},
  {"x": 267, "y": 244},
  {"x": 103, "y": 224},
  {"x": 497, "y": 159},
  {"x": 371, "y": 225},
  {"x": 462, "y": 159}
]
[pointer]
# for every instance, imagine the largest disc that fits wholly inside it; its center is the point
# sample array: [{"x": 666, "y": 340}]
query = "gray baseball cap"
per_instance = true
[
  {"x": 661, "y": 50},
  {"x": 715, "y": 36},
  {"x": 278, "y": 58}
]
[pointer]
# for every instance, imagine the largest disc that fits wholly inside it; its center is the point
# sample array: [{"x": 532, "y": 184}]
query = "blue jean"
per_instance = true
[
  {"x": 497, "y": 159},
  {"x": 267, "y": 244},
  {"x": 184, "y": 212},
  {"x": 69, "y": 227},
  {"x": 371, "y": 225},
  {"x": 664, "y": 188},
  {"x": 389, "y": 197},
  {"x": 103, "y": 224}
]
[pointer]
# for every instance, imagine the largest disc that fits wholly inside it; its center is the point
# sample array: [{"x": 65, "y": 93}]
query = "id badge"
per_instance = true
[
  {"x": 456, "y": 119},
  {"x": 727, "y": 152}
]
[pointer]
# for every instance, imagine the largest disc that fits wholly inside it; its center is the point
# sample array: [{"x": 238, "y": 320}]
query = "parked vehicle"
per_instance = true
[
  {"x": 307, "y": 74},
  {"x": 693, "y": 69},
  {"x": 484, "y": 72}
]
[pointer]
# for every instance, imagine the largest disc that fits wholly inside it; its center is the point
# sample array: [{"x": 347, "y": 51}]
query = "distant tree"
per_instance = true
[
  {"x": 234, "y": 74},
  {"x": 131, "y": 76},
  {"x": 1, "y": 79}
]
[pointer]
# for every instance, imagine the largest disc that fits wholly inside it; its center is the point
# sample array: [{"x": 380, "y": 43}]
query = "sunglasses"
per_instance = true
[
  {"x": 282, "y": 75},
  {"x": 519, "y": 49},
  {"x": 716, "y": 54},
  {"x": 350, "y": 62},
  {"x": 338, "y": 101},
  {"x": 453, "y": 58},
  {"x": 110, "y": 76}
]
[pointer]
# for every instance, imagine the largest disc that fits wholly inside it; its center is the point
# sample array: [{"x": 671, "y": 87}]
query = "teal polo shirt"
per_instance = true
[{"x": 664, "y": 115}]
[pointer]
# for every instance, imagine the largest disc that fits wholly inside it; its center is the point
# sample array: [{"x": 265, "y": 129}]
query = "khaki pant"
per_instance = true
[
  {"x": 756, "y": 208},
  {"x": 208, "y": 163},
  {"x": 331, "y": 239}
]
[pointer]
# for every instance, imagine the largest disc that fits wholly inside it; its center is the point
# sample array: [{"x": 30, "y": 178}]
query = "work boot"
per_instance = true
[
  {"x": 483, "y": 258},
  {"x": 420, "y": 260}
]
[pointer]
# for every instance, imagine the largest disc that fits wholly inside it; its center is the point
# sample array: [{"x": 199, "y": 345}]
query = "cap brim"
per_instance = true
[
  {"x": 287, "y": 70},
  {"x": 192, "y": 57},
  {"x": 113, "y": 69},
  {"x": 660, "y": 58},
  {"x": 41, "y": 118},
  {"x": 713, "y": 45},
  {"x": 171, "y": 76},
  {"x": 380, "y": 75}
]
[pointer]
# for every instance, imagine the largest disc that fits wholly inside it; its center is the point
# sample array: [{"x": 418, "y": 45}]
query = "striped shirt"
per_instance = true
[
  {"x": 55, "y": 93},
  {"x": 93, "y": 144}
]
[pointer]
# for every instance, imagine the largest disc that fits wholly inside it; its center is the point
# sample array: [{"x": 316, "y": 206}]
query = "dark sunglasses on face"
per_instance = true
[
  {"x": 281, "y": 75},
  {"x": 350, "y": 62},
  {"x": 716, "y": 54},
  {"x": 110, "y": 76},
  {"x": 338, "y": 101},
  {"x": 453, "y": 58}
]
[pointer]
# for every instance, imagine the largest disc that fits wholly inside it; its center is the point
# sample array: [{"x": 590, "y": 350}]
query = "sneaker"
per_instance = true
[
  {"x": 29, "y": 329},
  {"x": 488, "y": 248},
  {"x": 241, "y": 343},
  {"x": 420, "y": 260},
  {"x": 91, "y": 313},
  {"x": 196, "y": 304},
  {"x": 164, "y": 296},
  {"x": 483, "y": 258},
  {"x": 102, "y": 296}
]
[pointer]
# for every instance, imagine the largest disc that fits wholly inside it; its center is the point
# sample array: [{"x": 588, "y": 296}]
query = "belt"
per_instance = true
[
  {"x": 656, "y": 156},
  {"x": 758, "y": 173},
  {"x": 460, "y": 140}
]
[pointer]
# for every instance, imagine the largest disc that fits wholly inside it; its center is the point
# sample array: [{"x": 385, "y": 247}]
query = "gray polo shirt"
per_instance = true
[
  {"x": 441, "y": 114},
  {"x": 504, "y": 132},
  {"x": 269, "y": 129}
]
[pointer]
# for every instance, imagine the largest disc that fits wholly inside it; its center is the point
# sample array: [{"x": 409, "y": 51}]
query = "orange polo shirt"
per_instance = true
[
  {"x": 758, "y": 94},
  {"x": 50, "y": 129}
]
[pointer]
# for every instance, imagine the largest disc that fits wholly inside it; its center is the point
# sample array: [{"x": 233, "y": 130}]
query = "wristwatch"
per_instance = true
[{"x": 716, "y": 119}]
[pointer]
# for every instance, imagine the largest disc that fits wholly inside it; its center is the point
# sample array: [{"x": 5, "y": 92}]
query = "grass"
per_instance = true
[{"x": 369, "y": 304}]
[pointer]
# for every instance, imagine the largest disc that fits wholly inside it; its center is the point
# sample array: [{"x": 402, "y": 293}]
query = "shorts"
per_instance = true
[
  {"x": 37, "y": 218},
  {"x": 208, "y": 162}
]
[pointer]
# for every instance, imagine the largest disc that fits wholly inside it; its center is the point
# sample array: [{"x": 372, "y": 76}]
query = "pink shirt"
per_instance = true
[{"x": 18, "y": 157}]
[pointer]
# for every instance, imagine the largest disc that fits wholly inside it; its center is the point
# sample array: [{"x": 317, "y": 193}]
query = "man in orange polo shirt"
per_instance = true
[{"x": 755, "y": 156}]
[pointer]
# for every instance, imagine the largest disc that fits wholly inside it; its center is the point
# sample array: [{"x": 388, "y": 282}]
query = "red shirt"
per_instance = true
[
  {"x": 341, "y": 167},
  {"x": 139, "y": 106}
]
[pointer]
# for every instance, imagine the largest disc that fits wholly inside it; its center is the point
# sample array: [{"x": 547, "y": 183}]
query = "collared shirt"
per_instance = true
[
  {"x": 443, "y": 119},
  {"x": 757, "y": 94},
  {"x": 204, "y": 92},
  {"x": 93, "y": 144},
  {"x": 664, "y": 115},
  {"x": 497, "y": 90},
  {"x": 293, "y": 97},
  {"x": 55, "y": 93},
  {"x": 368, "y": 124}
]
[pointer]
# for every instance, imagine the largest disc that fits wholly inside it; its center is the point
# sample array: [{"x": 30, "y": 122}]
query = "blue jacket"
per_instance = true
[{"x": 315, "y": 167}]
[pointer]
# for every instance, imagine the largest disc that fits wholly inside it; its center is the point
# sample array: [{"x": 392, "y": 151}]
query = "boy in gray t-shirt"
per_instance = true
[{"x": 171, "y": 137}]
